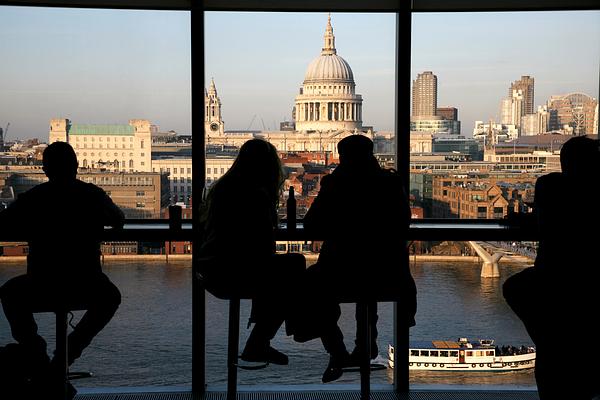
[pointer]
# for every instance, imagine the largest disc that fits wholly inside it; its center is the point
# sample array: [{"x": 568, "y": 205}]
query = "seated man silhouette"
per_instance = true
[
  {"x": 557, "y": 299},
  {"x": 362, "y": 214},
  {"x": 63, "y": 221}
]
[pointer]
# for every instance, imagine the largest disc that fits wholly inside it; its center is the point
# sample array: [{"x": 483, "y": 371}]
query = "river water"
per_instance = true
[{"x": 148, "y": 343}]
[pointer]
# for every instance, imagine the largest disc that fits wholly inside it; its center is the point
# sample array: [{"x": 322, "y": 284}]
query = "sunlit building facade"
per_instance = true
[
  {"x": 575, "y": 110},
  {"x": 126, "y": 147}
]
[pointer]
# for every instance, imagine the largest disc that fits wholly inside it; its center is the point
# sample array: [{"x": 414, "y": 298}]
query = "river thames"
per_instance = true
[{"x": 148, "y": 343}]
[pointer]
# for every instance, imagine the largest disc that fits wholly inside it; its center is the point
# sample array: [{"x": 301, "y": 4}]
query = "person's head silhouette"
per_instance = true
[
  {"x": 357, "y": 151},
  {"x": 580, "y": 157},
  {"x": 60, "y": 162},
  {"x": 257, "y": 165}
]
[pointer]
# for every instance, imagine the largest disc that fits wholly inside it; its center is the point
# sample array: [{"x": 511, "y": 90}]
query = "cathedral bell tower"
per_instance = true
[{"x": 213, "y": 122}]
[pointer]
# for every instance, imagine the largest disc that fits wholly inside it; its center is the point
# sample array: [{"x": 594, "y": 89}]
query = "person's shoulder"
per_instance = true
[
  {"x": 389, "y": 178},
  {"x": 551, "y": 180},
  {"x": 89, "y": 188},
  {"x": 37, "y": 191},
  {"x": 551, "y": 177},
  {"x": 327, "y": 179}
]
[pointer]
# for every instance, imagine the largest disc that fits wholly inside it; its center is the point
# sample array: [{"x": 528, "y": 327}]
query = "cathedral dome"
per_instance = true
[
  {"x": 329, "y": 67},
  {"x": 327, "y": 100}
]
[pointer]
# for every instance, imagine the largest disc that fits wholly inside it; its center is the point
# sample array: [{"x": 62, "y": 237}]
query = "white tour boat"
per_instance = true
[{"x": 463, "y": 355}]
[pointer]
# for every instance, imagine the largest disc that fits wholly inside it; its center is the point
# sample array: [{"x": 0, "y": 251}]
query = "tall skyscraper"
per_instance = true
[
  {"x": 526, "y": 86},
  {"x": 424, "y": 95}
]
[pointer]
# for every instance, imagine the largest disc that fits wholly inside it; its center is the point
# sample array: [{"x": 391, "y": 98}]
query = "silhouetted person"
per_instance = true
[
  {"x": 237, "y": 252},
  {"x": 362, "y": 214},
  {"x": 63, "y": 221},
  {"x": 557, "y": 298}
]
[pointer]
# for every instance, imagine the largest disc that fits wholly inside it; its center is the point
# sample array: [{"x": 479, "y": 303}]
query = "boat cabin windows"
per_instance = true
[
  {"x": 414, "y": 353},
  {"x": 469, "y": 354},
  {"x": 433, "y": 353},
  {"x": 490, "y": 353},
  {"x": 443, "y": 353},
  {"x": 424, "y": 353}
]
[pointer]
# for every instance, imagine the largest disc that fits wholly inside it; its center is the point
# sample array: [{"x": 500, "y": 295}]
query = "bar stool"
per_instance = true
[
  {"x": 61, "y": 351},
  {"x": 364, "y": 340},
  {"x": 233, "y": 333}
]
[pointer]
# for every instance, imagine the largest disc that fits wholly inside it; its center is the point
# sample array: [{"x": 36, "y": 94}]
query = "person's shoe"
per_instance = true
[
  {"x": 51, "y": 387},
  {"x": 267, "y": 354},
  {"x": 335, "y": 367}
]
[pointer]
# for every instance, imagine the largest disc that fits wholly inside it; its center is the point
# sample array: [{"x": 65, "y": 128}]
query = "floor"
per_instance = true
[{"x": 322, "y": 395}]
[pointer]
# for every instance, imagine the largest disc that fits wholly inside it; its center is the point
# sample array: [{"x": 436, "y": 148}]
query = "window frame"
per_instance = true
[{"x": 403, "y": 11}]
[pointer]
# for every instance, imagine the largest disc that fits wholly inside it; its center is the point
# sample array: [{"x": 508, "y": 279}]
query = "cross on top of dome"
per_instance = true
[{"x": 329, "y": 46}]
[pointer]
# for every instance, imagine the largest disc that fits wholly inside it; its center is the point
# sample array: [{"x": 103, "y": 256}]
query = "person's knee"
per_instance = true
[
  {"x": 110, "y": 295},
  {"x": 511, "y": 288},
  {"x": 13, "y": 289},
  {"x": 507, "y": 289},
  {"x": 115, "y": 297}
]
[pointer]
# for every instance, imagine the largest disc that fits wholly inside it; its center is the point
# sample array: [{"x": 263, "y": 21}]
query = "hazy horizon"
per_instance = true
[{"x": 109, "y": 66}]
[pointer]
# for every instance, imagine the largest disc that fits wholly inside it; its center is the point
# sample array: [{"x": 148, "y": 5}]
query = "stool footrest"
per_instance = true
[
  {"x": 252, "y": 366},
  {"x": 373, "y": 367},
  {"x": 78, "y": 375}
]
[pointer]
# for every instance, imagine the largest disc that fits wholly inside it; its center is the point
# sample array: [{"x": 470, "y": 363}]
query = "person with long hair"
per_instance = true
[{"x": 239, "y": 215}]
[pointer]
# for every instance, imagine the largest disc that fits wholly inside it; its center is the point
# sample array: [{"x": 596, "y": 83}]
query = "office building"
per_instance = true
[
  {"x": 124, "y": 147},
  {"x": 526, "y": 86},
  {"x": 575, "y": 110},
  {"x": 424, "y": 95}
]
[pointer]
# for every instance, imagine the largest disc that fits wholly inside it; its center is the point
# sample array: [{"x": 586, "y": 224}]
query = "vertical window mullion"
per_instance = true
[
  {"x": 402, "y": 137},
  {"x": 198, "y": 172}
]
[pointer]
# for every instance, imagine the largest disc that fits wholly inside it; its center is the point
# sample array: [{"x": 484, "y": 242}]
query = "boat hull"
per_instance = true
[{"x": 474, "y": 364}]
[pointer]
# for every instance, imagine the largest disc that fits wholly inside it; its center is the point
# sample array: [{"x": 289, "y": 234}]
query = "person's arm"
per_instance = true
[
  {"x": 317, "y": 218},
  {"x": 15, "y": 212},
  {"x": 112, "y": 215}
]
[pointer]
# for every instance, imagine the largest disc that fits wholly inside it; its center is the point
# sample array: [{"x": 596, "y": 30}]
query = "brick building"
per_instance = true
[{"x": 475, "y": 197}]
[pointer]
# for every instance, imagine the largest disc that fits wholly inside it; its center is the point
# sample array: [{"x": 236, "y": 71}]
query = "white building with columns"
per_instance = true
[
  {"x": 326, "y": 110},
  {"x": 327, "y": 98}
]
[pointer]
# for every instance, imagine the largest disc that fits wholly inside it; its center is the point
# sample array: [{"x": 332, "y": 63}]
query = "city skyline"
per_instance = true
[{"x": 141, "y": 68}]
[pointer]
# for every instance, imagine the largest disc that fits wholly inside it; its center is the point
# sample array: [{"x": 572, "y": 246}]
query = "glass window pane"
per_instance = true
[
  {"x": 106, "y": 79},
  {"x": 259, "y": 87},
  {"x": 109, "y": 76},
  {"x": 490, "y": 111}
]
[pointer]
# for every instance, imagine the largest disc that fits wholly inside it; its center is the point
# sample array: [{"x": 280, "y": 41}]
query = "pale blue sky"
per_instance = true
[{"x": 103, "y": 66}]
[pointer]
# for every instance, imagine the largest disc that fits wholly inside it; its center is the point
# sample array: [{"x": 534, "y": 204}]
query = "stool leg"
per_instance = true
[
  {"x": 363, "y": 330},
  {"x": 61, "y": 349},
  {"x": 233, "y": 348}
]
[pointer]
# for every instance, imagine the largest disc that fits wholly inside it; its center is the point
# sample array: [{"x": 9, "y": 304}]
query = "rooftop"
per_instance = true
[{"x": 119, "y": 130}]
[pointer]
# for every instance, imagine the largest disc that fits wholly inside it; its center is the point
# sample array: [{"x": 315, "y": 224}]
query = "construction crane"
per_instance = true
[
  {"x": 250, "y": 125},
  {"x": 261, "y": 120}
]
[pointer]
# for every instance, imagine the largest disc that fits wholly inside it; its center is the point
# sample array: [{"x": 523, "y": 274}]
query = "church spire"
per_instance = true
[
  {"x": 212, "y": 90},
  {"x": 329, "y": 47}
]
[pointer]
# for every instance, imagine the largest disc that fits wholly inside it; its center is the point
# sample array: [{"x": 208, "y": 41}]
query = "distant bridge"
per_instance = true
[
  {"x": 491, "y": 254},
  {"x": 489, "y": 269}
]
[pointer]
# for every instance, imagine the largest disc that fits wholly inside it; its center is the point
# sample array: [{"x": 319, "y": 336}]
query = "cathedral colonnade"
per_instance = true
[{"x": 329, "y": 111}]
